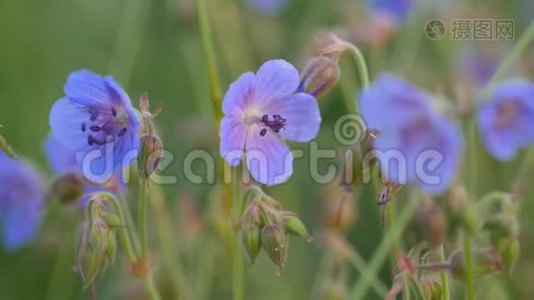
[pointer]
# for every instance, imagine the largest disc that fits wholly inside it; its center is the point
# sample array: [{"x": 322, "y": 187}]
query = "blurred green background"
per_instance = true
[{"x": 153, "y": 46}]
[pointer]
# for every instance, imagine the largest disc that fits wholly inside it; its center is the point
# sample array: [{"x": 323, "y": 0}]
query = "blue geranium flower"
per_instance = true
[
  {"x": 259, "y": 111},
  {"x": 414, "y": 143},
  {"x": 21, "y": 202},
  {"x": 506, "y": 120},
  {"x": 96, "y": 120}
]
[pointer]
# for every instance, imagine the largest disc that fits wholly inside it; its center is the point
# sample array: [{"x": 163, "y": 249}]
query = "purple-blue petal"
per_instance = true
[
  {"x": 61, "y": 159},
  {"x": 302, "y": 114},
  {"x": 269, "y": 160},
  {"x": 65, "y": 120},
  {"x": 240, "y": 94},
  {"x": 21, "y": 202},
  {"x": 504, "y": 138},
  {"x": 232, "y": 135},
  {"x": 390, "y": 101},
  {"x": 275, "y": 79}
]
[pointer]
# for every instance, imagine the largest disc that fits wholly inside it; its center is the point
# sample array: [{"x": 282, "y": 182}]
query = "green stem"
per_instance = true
[
  {"x": 363, "y": 72},
  {"x": 123, "y": 229},
  {"x": 237, "y": 269},
  {"x": 418, "y": 289},
  {"x": 151, "y": 288},
  {"x": 406, "y": 290},
  {"x": 443, "y": 274},
  {"x": 143, "y": 222},
  {"x": 468, "y": 265},
  {"x": 166, "y": 236},
  {"x": 209, "y": 54},
  {"x": 357, "y": 261},
  {"x": 392, "y": 235},
  {"x": 521, "y": 45},
  {"x": 128, "y": 220}
]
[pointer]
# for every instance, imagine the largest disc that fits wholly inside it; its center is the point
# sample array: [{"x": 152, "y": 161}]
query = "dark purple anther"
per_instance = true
[
  {"x": 90, "y": 140},
  {"x": 263, "y": 132},
  {"x": 113, "y": 112},
  {"x": 83, "y": 127},
  {"x": 122, "y": 132},
  {"x": 94, "y": 115},
  {"x": 95, "y": 128},
  {"x": 276, "y": 124}
]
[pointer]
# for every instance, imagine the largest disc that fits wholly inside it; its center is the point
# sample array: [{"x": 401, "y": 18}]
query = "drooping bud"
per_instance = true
[
  {"x": 253, "y": 194},
  {"x": 294, "y": 225},
  {"x": 432, "y": 223},
  {"x": 275, "y": 244},
  {"x": 338, "y": 212},
  {"x": 67, "y": 188},
  {"x": 251, "y": 241},
  {"x": 320, "y": 75},
  {"x": 150, "y": 155},
  {"x": 486, "y": 262},
  {"x": 463, "y": 212},
  {"x": 509, "y": 250},
  {"x": 93, "y": 250}
]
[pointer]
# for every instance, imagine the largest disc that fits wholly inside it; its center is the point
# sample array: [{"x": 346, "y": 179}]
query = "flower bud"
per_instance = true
[
  {"x": 338, "y": 212},
  {"x": 320, "y": 74},
  {"x": 485, "y": 261},
  {"x": 251, "y": 241},
  {"x": 67, "y": 188},
  {"x": 509, "y": 250},
  {"x": 275, "y": 244},
  {"x": 294, "y": 225},
  {"x": 150, "y": 155},
  {"x": 93, "y": 249},
  {"x": 432, "y": 223}
]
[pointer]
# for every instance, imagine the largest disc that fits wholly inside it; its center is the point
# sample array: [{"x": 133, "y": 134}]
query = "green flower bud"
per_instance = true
[
  {"x": 320, "y": 74},
  {"x": 112, "y": 220},
  {"x": 509, "y": 250},
  {"x": 253, "y": 194},
  {"x": 67, "y": 188},
  {"x": 275, "y": 244},
  {"x": 111, "y": 249},
  {"x": 92, "y": 250},
  {"x": 486, "y": 261},
  {"x": 294, "y": 225},
  {"x": 150, "y": 155},
  {"x": 251, "y": 241}
]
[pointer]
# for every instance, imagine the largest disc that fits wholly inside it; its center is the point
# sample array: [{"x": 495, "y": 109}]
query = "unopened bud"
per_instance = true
[
  {"x": 92, "y": 250},
  {"x": 112, "y": 220},
  {"x": 150, "y": 155},
  {"x": 320, "y": 75},
  {"x": 251, "y": 241},
  {"x": 275, "y": 243},
  {"x": 67, "y": 188},
  {"x": 485, "y": 262},
  {"x": 253, "y": 194},
  {"x": 509, "y": 250},
  {"x": 294, "y": 225},
  {"x": 432, "y": 223}
]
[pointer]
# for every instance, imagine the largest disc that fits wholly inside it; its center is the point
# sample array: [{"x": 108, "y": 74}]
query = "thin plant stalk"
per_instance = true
[
  {"x": 237, "y": 269},
  {"x": 381, "y": 254}
]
